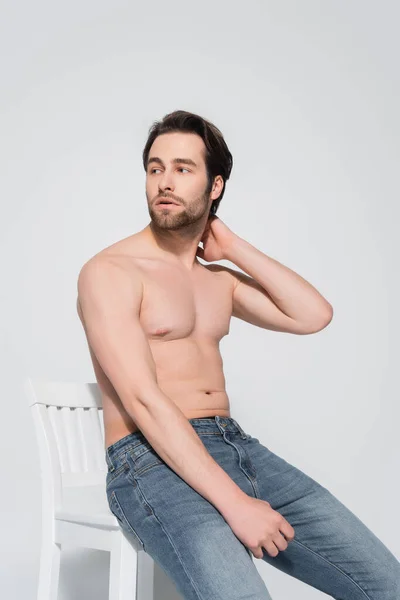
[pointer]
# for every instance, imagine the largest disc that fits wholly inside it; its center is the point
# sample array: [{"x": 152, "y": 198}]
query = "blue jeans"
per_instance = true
[{"x": 333, "y": 551}]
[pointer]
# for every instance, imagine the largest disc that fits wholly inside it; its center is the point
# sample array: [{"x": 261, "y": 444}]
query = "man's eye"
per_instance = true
[{"x": 180, "y": 169}]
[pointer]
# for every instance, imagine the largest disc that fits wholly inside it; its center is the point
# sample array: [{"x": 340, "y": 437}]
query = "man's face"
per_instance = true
[{"x": 180, "y": 181}]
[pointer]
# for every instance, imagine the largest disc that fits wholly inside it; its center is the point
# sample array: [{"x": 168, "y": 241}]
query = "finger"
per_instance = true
[
  {"x": 287, "y": 530},
  {"x": 257, "y": 552},
  {"x": 271, "y": 549},
  {"x": 280, "y": 542}
]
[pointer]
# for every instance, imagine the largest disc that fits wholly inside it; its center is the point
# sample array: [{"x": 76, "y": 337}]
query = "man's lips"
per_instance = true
[{"x": 166, "y": 202}]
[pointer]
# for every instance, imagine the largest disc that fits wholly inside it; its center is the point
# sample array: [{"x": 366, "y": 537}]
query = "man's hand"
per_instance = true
[
  {"x": 259, "y": 526},
  {"x": 216, "y": 240}
]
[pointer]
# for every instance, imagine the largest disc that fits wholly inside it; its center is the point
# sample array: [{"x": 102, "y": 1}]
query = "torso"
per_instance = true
[{"x": 184, "y": 315}]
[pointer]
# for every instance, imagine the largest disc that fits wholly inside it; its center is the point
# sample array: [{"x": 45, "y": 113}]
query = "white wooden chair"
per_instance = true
[{"x": 68, "y": 419}]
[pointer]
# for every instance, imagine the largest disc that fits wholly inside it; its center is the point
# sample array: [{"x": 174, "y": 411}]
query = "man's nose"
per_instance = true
[{"x": 166, "y": 181}]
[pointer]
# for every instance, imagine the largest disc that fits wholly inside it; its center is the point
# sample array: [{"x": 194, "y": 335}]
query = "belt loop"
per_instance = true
[{"x": 109, "y": 462}]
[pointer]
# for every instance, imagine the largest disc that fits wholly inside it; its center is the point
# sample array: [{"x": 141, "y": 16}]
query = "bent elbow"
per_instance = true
[{"x": 321, "y": 324}]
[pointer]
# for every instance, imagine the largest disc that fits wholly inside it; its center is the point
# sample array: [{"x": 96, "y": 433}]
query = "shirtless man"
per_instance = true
[{"x": 154, "y": 315}]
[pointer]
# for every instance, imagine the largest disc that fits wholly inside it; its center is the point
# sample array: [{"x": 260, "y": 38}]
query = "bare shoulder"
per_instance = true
[
  {"x": 105, "y": 269},
  {"x": 123, "y": 249},
  {"x": 124, "y": 254},
  {"x": 230, "y": 275}
]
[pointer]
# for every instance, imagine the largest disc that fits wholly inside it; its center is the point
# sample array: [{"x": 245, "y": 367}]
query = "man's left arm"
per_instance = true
[{"x": 273, "y": 296}]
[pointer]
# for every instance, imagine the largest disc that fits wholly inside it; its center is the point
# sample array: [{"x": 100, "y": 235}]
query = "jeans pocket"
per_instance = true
[{"x": 124, "y": 522}]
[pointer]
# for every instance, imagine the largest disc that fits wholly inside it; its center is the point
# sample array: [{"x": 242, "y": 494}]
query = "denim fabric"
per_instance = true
[{"x": 333, "y": 551}]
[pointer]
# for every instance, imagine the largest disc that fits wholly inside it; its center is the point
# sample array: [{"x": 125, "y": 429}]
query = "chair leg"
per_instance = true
[
  {"x": 123, "y": 570},
  {"x": 49, "y": 570},
  {"x": 145, "y": 585}
]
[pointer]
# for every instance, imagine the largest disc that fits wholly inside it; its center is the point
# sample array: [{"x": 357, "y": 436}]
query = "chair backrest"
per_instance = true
[{"x": 69, "y": 428}]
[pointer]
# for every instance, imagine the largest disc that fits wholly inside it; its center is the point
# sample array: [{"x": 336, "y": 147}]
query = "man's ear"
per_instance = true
[{"x": 217, "y": 187}]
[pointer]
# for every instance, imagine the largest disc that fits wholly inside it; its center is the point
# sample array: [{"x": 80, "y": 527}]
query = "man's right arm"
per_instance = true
[{"x": 109, "y": 297}]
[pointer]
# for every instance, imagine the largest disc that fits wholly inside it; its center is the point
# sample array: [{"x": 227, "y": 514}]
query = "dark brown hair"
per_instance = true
[{"x": 218, "y": 159}]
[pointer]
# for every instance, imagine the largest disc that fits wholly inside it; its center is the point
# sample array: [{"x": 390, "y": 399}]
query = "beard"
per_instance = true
[{"x": 180, "y": 217}]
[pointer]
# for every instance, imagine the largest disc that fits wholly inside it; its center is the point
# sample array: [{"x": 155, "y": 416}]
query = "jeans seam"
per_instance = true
[
  {"x": 200, "y": 597},
  {"x": 145, "y": 469},
  {"x": 130, "y": 528},
  {"x": 252, "y": 480},
  {"x": 332, "y": 565}
]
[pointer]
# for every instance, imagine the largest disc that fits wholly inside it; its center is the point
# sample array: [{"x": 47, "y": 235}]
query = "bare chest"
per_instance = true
[{"x": 178, "y": 304}]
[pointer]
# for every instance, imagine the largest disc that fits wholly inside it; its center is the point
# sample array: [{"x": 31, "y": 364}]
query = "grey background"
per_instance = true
[{"x": 307, "y": 96}]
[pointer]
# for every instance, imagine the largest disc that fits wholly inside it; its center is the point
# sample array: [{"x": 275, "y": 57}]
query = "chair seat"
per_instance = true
[{"x": 86, "y": 504}]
